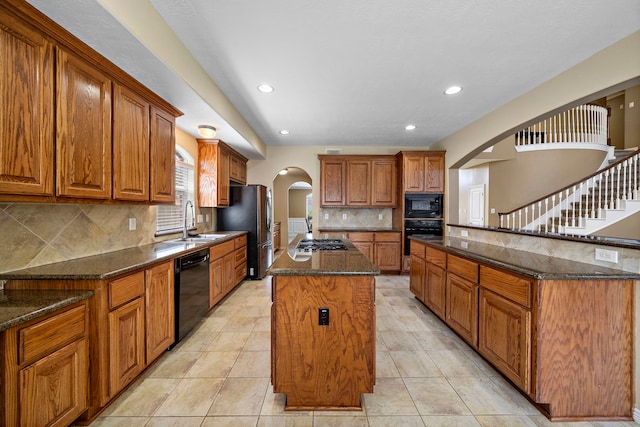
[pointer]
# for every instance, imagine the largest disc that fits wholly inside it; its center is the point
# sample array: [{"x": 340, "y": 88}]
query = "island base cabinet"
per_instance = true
[
  {"x": 505, "y": 337},
  {"x": 462, "y": 308},
  {"x": 435, "y": 293},
  {"x": 323, "y": 366}
]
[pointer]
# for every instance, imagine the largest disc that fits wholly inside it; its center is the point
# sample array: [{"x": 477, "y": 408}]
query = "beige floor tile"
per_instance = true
[
  {"x": 505, "y": 421},
  {"x": 230, "y": 421},
  {"x": 450, "y": 421},
  {"x": 191, "y": 397},
  {"x": 175, "y": 422},
  {"x": 396, "y": 341},
  {"x": 483, "y": 397},
  {"x": 415, "y": 364},
  {"x": 144, "y": 398},
  {"x": 514, "y": 395},
  {"x": 390, "y": 397},
  {"x": 173, "y": 364},
  {"x": 385, "y": 366},
  {"x": 212, "y": 324},
  {"x": 274, "y": 405},
  {"x": 120, "y": 422},
  {"x": 240, "y": 396},
  {"x": 438, "y": 341},
  {"x": 435, "y": 396},
  {"x": 252, "y": 364},
  {"x": 339, "y": 421},
  {"x": 397, "y": 421},
  {"x": 213, "y": 364},
  {"x": 542, "y": 421},
  {"x": 456, "y": 364},
  {"x": 239, "y": 324},
  {"x": 196, "y": 341},
  {"x": 258, "y": 341},
  {"x": 228, "y": 341},
  {"x": 285, "y": 421}
]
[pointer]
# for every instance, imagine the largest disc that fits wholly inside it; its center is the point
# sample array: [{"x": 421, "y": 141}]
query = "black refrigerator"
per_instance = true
[{"x": 250, "y": 210}]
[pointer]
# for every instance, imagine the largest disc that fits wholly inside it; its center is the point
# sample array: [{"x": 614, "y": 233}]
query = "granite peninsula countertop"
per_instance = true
[
  {"x": 530, "y": 264},
  {"x": 322, "y": 263},
  {"x": 112, "y": 264},
  {"x": 323, "y": 230},
  {"x": 19, "y": 306}
]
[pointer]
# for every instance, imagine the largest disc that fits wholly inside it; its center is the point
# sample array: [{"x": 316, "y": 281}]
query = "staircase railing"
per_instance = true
[
  {"x": 582, "y": 124},
  {"x": 571, "y": 206}
]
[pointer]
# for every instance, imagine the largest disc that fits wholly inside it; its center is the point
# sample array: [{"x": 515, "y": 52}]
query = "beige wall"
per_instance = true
[
  {"x": 298, "y": 203},
  {"x": 616, "y": 121},
  {"x": 632, "y": 117}
]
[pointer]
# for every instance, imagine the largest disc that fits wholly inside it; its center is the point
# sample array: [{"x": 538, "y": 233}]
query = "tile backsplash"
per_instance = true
[{"x": 355, "y": 218}]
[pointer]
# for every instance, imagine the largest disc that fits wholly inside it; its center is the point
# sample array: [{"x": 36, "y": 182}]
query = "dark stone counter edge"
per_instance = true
[
  {"x": 294, "y": 272},
  {"x": 358, "y": 230},
  {"x": 66, "y": 298},
  {"x": 40, "y": 272},
  {"x": 618, "y": 275}
]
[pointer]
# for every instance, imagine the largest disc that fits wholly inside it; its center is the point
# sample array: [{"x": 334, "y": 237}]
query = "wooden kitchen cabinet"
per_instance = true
[
  {"x": 240, "y": 258},
  {"x": 462, "y": 298},
  {"x": 358, "y": 181},
  {"x": 130, "y": 145},
  {"x": 417, "y": 272},
  {"x": 214, "y": 172},
  {"x": 83, "y": 136},
  {"x": 436, "y": 289},
  {"x": 162, "y": 137},
  {"x": 275, "y": 235},
  {"x": 422, "y": 171},
  {"x": 381, "y": 248},
  {"x": 364, "y": 241},
  {"x": 227, "y": 268},
  {"x": 159, "y": 310},
  {"x": 45, "y": 372},
  {"x": 238, "y": 168},
  {"x": 27, "y": 120}
]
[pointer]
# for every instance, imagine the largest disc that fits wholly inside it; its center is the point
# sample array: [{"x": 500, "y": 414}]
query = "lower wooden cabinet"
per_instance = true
[
  {"x": 435, "y": 289},
  {"x": 381, "y": 248},
  {"x": 45, "y": 370},
  {"x": 159, "y": 310},
  {"x": 462, "y": 308},
  {"x": 417, "y": 271},
  {"x": 126, "y": 344},
  {"x": 227, "y": 268}
]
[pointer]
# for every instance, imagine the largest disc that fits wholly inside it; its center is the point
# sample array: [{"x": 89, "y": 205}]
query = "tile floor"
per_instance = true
[{"x": 426, "y": 376}]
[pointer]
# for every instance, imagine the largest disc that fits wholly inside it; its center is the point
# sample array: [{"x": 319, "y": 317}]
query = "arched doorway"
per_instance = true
[{"x": 291, "y": 192}]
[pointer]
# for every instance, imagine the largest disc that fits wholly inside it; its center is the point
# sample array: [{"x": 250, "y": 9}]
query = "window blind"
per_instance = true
[{"x": 170, "y": 219}]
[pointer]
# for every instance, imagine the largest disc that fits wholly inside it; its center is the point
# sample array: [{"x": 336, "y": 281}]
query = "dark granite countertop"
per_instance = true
[
  {"x": 112, "y": 264},
  {"x": 529, "y": 264},
  {"x": 19, "y": 306},
  {"x": 357, "y": 230},
  {"x": 322, "y": 263}
]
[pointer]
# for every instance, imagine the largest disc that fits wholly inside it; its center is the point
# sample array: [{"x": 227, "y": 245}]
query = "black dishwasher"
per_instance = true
[{"x": 191, "y": 291}]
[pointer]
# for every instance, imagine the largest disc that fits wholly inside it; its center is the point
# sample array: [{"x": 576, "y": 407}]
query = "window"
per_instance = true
[{"x": 170, "y": 219}]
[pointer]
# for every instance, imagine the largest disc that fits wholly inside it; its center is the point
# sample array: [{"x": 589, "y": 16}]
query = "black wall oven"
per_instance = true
[
  {"x": 423, "y": 206},
  {"x": 426, "y": 229}
]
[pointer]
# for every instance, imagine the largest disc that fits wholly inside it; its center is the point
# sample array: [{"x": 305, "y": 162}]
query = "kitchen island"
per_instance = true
[{"x": 323, "y": 327}]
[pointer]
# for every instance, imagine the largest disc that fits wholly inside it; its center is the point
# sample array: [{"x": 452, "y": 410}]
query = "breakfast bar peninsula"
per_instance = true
[{"x": 323, "y": 324}]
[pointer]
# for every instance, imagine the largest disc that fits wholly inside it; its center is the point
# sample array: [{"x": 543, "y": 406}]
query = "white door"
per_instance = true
[{"x": 476, "y": 205}]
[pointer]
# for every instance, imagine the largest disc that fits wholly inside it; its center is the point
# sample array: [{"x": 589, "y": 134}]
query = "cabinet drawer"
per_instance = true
[
  {"x": 241, "y": 271},
  {"x": 507, "y": 285},
  {"x": 44, "y": 337},
  {"x": 239, "y": 242},
  {"x": 360, "y": 237},
  {"x": 417, "y": 249},
  {"x": 387, "y": 237},
  {"x": 437, "y": 257},
  {"x": 241, "y": 255},
  {"x": 125, "y": 289},
  {"x": 463, "y": 268},
  {"x": 218, "y": 251}
]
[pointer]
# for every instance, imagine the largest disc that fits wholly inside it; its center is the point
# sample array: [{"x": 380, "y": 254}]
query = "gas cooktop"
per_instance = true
[{"x": 312, "y": 245}]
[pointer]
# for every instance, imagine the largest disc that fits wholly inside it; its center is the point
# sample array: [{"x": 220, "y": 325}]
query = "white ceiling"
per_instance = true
[{"x": 349, "y": 72}]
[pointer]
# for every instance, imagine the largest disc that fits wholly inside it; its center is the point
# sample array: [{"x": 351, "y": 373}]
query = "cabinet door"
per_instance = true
[
  {"x": 417, "y": 276},
  {"x": 126, "y": 344},
  {"x": 332, "y": 182},
  {"x": 83, "y": 150},
  {"x": 26, "y": 113},
  {"x": 384, "y": 180},
  {"x": 130, "y": 145},
  {"x": 435, "y": 289},
  {"x": 224, "y": 159},
  {"x": 387, "y": 256},
  {"x": 159, "y": 310},
  {"x": 358, "y": 186},
  {"x": 366, "y": 248},
  {"x": 434, "y": 176},
  {"x": 229, "y": 271},
  {"x": 216, "y": 281},
  {"x": 505, "y": 337},
  {"x": 162, "y": 142},
  {"x": 413, "y": 173},
  {"x": 238, "y": 171},
  {"x": 462, "y": 308},
  {"x": 54, "y": 390}
]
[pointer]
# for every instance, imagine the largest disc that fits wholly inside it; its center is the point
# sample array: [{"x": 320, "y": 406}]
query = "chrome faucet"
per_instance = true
[{"x": 193, "y": 218}]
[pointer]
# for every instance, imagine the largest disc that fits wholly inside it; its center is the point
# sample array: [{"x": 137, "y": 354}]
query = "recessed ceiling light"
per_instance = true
[
  {"x": 284, "y": 132},
  {"x": 453, "y": 90},
  {"x": 409, "y": 127},
  {"x": 265, "y": 88}
]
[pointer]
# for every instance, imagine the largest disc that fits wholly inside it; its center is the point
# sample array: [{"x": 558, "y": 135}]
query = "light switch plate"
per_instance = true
[{"x": 132, "y": 224}]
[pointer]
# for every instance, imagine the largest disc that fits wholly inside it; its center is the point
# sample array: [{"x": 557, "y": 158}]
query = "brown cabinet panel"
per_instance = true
[
  {"x": 505, "y": 337},
  {"x": 126, "y": 344},
  {"x": 159, "y": 310},
  {"x": 130, "y": 145},
  {"x": 436, "y": 257},
  {"x": 83, "y": 149},
  {"x": 162, "y": 142},
  {"x": 508, "y": 285},
  {"x": 423, "y": 171},
  {"x": 333, "y": 182},
  {"x": 462, "y": 308},
  {"x": 216, "y": 281},
  {"x": 388, "y": 256},
  {"x": 366, "y": 248},
  {"x": 384, "y": 183},
  {"x": 417, "y": 271},
  {"x": 214, "y": 172},
  {"x": 413, "y": 173},
  {"x": 125, "y": 289},
  {"x": 358, "y": 188},
  {"x": 238, "y": 169},
  {"x": 463, "y": 268},
  {"x": 436, "y": 289},
  {"x": 434, "y": 176},
  {"x": 26, "y": 113}
]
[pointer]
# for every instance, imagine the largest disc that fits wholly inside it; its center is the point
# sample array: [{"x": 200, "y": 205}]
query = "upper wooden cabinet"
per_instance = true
[
  {"x": 422, "y": 171},
  {"x": 358, "y": 181},
  {"x": 26, "y": 113},
  {"x": 83, "y": 131},
  {"x": 76, "y": 126},
  {"x": 216, "y": 162}
]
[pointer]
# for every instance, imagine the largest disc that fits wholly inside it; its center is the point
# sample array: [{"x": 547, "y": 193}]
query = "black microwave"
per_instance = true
[{"x": 423, "y": 206}]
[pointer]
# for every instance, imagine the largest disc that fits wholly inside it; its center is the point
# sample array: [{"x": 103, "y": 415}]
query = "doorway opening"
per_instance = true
[{"x": 292, "y": 204}]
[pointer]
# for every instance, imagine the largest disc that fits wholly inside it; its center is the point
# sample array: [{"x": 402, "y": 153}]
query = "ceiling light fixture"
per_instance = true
[
  {"x": 284, "y": 132},
  {"x": 207, "y": 131},
  {"x": 453, "y": 90},
  {"x": 283, "y": 171},
  {"x": 409, "y": 127},
  {"x": 265, "y": 88}
]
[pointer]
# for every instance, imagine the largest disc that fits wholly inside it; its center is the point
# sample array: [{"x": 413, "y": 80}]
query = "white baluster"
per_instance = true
[
  {"x": 564, "y": 126},
  {"x": 573, "y": 207},
  {"x": 618, "y": 185},
  {"x": 526, "y": 216},
  {"x": 635, "y": 177},
  {"x": 540, "y": 215},
  {"x": 566, "y": 211},
  {"x": 612, "y": 202},
  {"x": 600, "y": 177}
]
